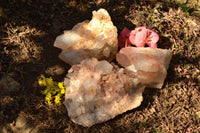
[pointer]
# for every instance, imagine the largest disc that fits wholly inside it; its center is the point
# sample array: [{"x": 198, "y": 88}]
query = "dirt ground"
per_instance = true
[{"x": 28, "y": 30}]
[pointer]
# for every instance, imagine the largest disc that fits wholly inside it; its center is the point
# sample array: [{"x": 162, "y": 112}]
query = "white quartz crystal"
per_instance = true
[
  {"x": 150, "y": 64},
  {"x": 96, "y": 38},
  {"x": 97, "y": 91}
]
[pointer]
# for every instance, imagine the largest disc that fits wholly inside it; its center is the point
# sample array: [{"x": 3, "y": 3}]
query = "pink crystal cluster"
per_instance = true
[{"x": 138, "y": 37}]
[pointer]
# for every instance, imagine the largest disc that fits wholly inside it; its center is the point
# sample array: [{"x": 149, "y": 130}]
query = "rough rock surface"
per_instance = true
[
  {"x": 97, "y": 91},
  {"x": 150, "y": 64},
  {"x": 8, "y": 85},
  {"x": 96, "y": 38},
  {"x": 20, "y": 125}
]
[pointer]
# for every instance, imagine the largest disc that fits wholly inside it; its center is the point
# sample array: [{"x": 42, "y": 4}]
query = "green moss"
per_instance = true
[{"x": 53, "y": 90}]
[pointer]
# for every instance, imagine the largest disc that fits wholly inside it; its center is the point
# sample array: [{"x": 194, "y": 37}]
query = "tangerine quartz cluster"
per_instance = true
[
  {"x": 138, "y": 37},
  {"x": 98, "y": 91},
  {"x": 96, "y": 38},
  {"x": 150, "y": 64}
]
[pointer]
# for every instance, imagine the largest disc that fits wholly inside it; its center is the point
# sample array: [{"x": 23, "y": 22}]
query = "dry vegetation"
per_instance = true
[{"x": 28, "y": 30}]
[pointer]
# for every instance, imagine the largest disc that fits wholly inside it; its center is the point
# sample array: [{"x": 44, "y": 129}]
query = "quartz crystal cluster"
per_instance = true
[
  {"x": 98, "y": 91},
  {"x": 96, "y": 38},
  {"x": 150, "y": 64}
]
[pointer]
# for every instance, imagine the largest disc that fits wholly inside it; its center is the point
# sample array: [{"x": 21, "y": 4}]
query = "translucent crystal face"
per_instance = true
[{"x": 150, "y": 64}]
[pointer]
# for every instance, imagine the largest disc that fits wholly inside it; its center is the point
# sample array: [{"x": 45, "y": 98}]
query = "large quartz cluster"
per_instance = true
[
  {"x": 97, "y": 91},
  {"x": 96, "y": 38}
]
